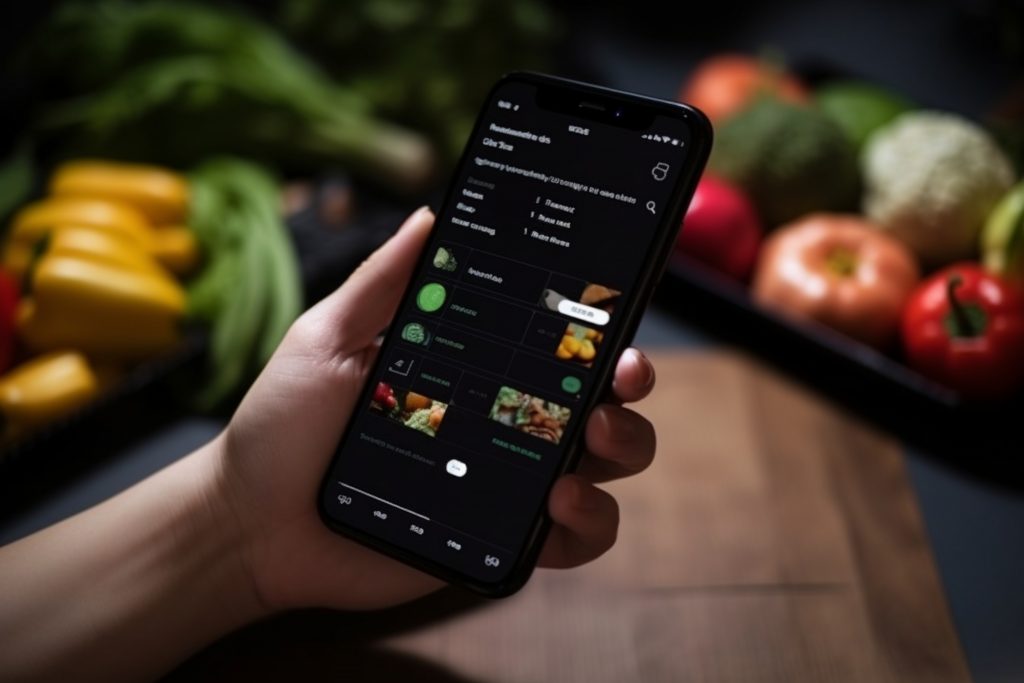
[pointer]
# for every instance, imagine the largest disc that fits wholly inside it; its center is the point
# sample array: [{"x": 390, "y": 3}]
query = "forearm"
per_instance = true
[{"x": 128, "y": 588}]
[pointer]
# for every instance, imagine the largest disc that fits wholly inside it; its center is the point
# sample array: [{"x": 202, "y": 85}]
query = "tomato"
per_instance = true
[
  {"x": 721, "y": 229},
  {"x": 723, "y": 85},
  {"x": 839, "y": 270}
]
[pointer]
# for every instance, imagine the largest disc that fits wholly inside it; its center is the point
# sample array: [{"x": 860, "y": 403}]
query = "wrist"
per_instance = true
[{"x": 214, "y": 531}]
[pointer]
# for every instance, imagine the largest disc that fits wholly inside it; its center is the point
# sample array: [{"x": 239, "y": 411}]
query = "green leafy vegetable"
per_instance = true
[
  {"x": 250, "y": 291},
  {"x": 426, "y": 63},
  {"x": 173, "y": 82}
]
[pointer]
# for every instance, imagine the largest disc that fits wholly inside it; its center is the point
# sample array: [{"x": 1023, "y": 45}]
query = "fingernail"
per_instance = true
[{"x": 416, "y": 215}]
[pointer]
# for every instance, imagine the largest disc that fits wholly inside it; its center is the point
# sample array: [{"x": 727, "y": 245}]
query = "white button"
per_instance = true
[
  {"x": 456, "y": 468},
  {"x": 583, "y": 312}
]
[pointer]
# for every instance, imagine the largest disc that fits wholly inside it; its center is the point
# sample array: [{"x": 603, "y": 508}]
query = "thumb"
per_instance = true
[{"x": 365, "y": 304}]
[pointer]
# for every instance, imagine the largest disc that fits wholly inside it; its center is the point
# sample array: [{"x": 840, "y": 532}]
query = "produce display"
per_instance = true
[
  {"x": 120, "y": 256},
  {"x": 858, "y": 195},
  {"x": 114, "y": 261}
]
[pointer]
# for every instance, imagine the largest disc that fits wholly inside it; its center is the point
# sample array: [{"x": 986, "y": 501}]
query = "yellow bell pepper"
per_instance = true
[
  {"x": 36, "y": 221},
  {"x": 159, "y": 194},
  {"x": 176, "y": 248},
  {"x": 44, "y": 388},
  {"x": 74, "y": 240},
  {"x": 103, "y": 308}
]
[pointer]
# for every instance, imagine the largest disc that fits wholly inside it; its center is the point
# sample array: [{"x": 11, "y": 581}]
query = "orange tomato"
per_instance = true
[{"x": 723, "y": 85}]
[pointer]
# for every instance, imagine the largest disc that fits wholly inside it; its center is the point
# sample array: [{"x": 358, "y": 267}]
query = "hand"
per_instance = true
[{"x": 280, "y": 441}]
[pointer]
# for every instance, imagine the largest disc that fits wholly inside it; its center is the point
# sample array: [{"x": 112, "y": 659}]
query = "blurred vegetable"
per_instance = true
[
  {"x": 250, "y": 290},
  {"x": 721, "y": 229},
  {"x": 103, "y": 304},
  {"x": 964, "y": 327},
  {"x": 931, "y": 179},
  {"x": 840, "y": 271},
  {"x": 790, "y": 161},
  {"x": 724, "y": 85},
  {"x": 44, "y": 388},
  {"x": 16, "y": 176},
  {"x": 34, "y": 223},
  {"x": 426, "y": 63},
  {"x": 8, "y": 311},
  {"x": 99, "y": 245},
  {"x": 1006, "y": 121},
  {"x": 1002, "y": 238},
  {"x": 175, "y": 247},
  {"x": 159, "y": 194},
  {"x": 860, "y": 108},
  {"x": 174, "y": 82}
]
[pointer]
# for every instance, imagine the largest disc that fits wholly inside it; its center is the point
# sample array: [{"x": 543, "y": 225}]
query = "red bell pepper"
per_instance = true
[
  {"x": 964, "y": 327},
  {"x": 8, "y": 311}
]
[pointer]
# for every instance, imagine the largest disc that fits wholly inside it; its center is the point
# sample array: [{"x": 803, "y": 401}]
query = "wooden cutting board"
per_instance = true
[{"x": 774, "y": 539}]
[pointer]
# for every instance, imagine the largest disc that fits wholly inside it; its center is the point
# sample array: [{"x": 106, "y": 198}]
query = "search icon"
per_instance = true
[{"x": 651, "y": 206}]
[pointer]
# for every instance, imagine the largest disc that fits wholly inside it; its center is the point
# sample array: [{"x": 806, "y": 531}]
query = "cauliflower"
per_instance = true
[{"x": 930, "y": 179}]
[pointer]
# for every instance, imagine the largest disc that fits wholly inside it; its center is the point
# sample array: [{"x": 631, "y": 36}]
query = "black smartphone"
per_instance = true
[{"x": 547, "y": 247}]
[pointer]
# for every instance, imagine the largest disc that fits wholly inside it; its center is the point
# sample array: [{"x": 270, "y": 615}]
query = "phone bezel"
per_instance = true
[{"x": 567, "y": 92}]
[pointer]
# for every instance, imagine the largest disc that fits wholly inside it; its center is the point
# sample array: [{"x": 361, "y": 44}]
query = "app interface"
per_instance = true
[{"x": 489, "y": 362}]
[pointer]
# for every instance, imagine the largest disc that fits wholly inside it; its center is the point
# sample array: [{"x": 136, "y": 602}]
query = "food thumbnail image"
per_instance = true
[
  {"x": 579, "y": 343},
  {"x": 444, "y": 259},
  {"x": 413, "y": 410},
  {"x": 529, "y": 414},
  {"x": 597, "y": 296}
]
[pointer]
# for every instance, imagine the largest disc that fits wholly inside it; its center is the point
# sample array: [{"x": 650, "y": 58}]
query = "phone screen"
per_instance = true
[{"x": 498, "y": 349}]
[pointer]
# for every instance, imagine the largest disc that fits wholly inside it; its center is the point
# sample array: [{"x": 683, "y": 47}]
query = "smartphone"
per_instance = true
[{"x": 546, "y": 249}]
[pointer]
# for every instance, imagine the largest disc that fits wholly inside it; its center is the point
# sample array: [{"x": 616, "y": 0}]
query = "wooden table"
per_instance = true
[{"x": 774, "y": 539}]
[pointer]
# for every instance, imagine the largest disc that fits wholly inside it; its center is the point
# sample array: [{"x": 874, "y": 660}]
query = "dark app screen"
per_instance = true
[{"x": 489, "y": 362}]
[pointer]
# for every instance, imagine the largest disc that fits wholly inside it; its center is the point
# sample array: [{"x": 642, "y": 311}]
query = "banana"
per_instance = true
[{"x": 159, "y": 194}]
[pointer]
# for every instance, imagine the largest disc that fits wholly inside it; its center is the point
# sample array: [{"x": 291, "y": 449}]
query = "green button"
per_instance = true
[
  {"x": 571, "y": 384},
  {"x": 431, "y": 297}
]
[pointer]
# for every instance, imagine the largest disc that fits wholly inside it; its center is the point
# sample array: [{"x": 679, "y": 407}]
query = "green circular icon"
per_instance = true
[
  {"x": 571, "y": 384},
  {"x": 415, "y": 333},
  {"x": 431, "y": 297}
]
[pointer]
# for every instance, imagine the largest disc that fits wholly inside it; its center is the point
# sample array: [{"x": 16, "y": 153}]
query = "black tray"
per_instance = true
[{"x": 980, "y": 439}]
